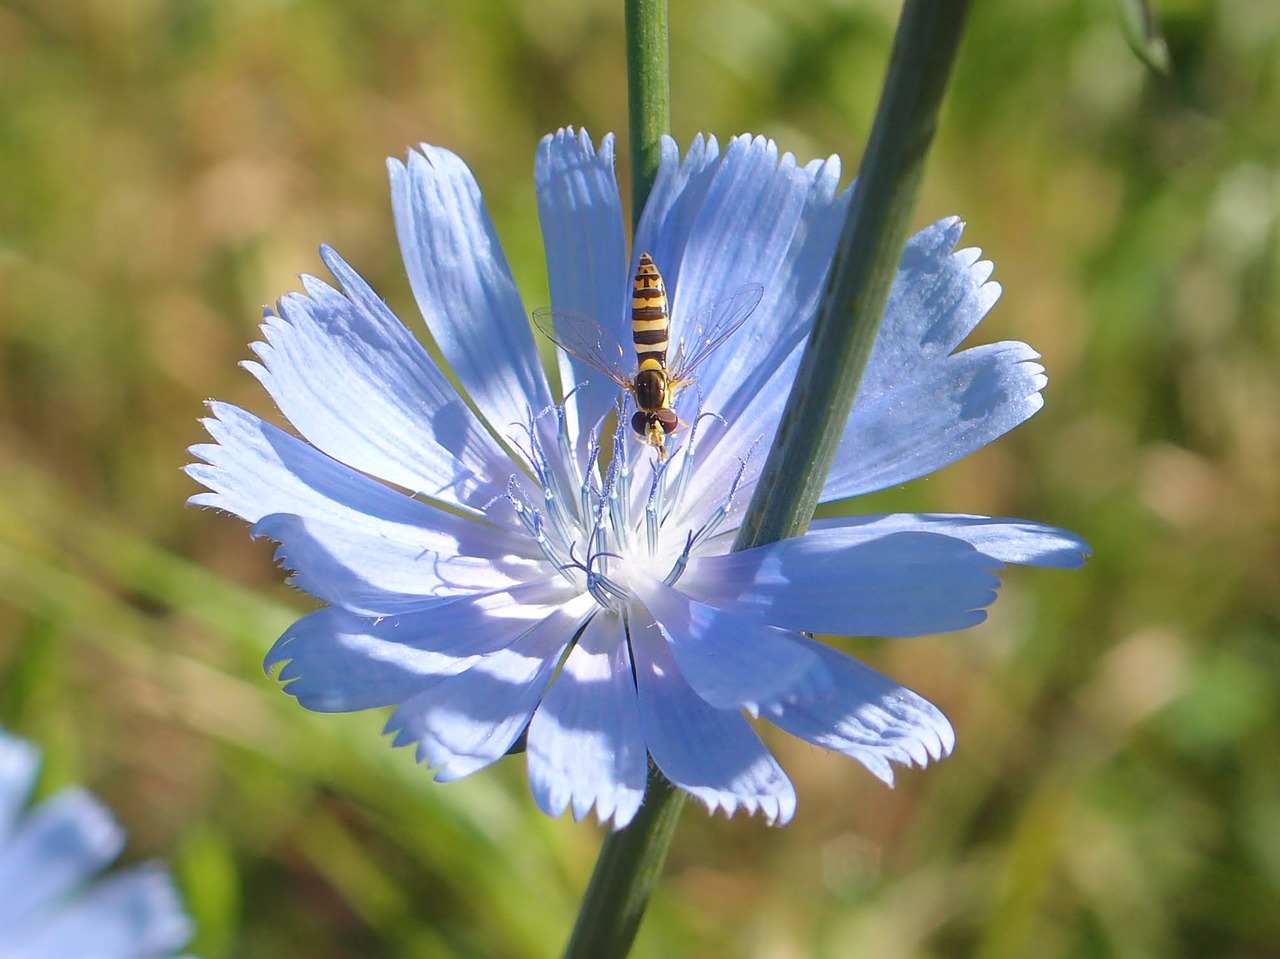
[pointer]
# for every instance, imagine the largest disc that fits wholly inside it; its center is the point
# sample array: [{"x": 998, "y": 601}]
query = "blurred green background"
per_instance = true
[{"x": 169, "y": 166}]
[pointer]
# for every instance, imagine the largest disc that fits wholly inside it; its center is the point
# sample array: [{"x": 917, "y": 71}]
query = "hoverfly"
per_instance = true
[{"x": 656, "y": 383}]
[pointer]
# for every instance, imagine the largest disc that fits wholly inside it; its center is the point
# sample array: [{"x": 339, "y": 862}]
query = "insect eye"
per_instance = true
[
  {"x": 668, "y": 419},
  {"x": 639, "y": 421}
]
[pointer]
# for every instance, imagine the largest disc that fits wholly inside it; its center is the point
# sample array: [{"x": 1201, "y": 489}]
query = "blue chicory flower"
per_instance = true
[
  {"x": 495, "y": 568},
  {"x": 51, "y": 905}
]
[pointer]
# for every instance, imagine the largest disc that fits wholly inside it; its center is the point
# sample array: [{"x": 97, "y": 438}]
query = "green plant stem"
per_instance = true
[
  {"x": 629, "y": 866},
  {"x": 871, "y": 244},
  {"x": 648, "y": 94},
  {"x": 631, "y": 859}
]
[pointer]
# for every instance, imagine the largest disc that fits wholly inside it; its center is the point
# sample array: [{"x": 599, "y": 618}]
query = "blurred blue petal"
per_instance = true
[
  {"x": 134, "y": 914},
  {"x": 62, "y": 843},
  {"x": 52, "y": 906}
]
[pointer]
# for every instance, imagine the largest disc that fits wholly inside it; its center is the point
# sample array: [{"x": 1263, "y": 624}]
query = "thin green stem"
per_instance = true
[
  {"x": 871, "y": 244},
  {"x": 629, "y": 866},
  {"x": 631, "y": 859},
  {"x": 648, "y": 94}
]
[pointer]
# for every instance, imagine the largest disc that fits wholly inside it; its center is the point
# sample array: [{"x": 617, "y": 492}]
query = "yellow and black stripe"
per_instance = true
[
  {"x": 650, "y": 321},
  {"x": 654, "y": 418}
]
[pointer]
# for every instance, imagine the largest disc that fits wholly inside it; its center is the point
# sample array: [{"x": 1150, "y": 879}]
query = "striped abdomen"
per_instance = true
[{"x": 649, "y": 329}]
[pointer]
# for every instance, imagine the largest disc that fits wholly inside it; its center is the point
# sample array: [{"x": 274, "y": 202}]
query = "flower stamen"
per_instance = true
[
  {"x": 531, "y": 519},
  {"x": 652, "y": 524},
  {"x": 602, "y": 589},
  {"x": 678, "y": 569},
  {"x": 617, "y": 493}
]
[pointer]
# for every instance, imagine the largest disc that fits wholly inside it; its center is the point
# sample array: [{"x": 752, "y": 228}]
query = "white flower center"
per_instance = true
[{"x": 603, "y": 525}]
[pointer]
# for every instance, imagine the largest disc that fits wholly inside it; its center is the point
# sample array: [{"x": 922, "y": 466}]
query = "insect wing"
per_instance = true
[
  {"x": 584, "y": 339},
  {"x": 712, "y": 326}
]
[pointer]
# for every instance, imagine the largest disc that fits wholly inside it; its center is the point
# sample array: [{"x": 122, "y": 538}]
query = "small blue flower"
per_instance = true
[
  {"x": 496, "y": 568},
  {"x": 51, "y": 906}
]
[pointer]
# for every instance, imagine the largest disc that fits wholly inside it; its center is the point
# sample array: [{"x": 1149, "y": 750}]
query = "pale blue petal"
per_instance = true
[
  {"x": 764, "y": 220},
  {"x": 583, "y": 234},
  {"x": 339, "y": 662},
  {"x": 19, "y": 765},
  {"x": 928, "y": 420},
  {"x": 1018, "y": 541},
  {"x": 866, "y": 716},
  {"x": 378, "y": 575},
  {"x": 135, "y": 914},
  {"x": 709, "y": 242},
  {"x": 919, "y": 407},
  {"x": 935, "y": 416},
  {"x": 585, "y": 746},
  {"x": 704, "y": 243},
  {"x": 784, "y": 240},
  {"x": 675, "y": 200},
  {"x": 464, "y": 287},
  {"x": 768, "y": 188},
  {"x": 353, "y": 381},
  {"x": 467, "y": 721},
  {"x": 59, "y": 845},
  {"x": 897, "y": 584},
  {"x": 712, "y": 754},
  {"x": 939, "y": 296},
  {"x": 731, "y": 661},
  {"x": 728, "y": 451},
  {"x": 761, "y": 353},
  {"x": 255, "y": 469}
]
